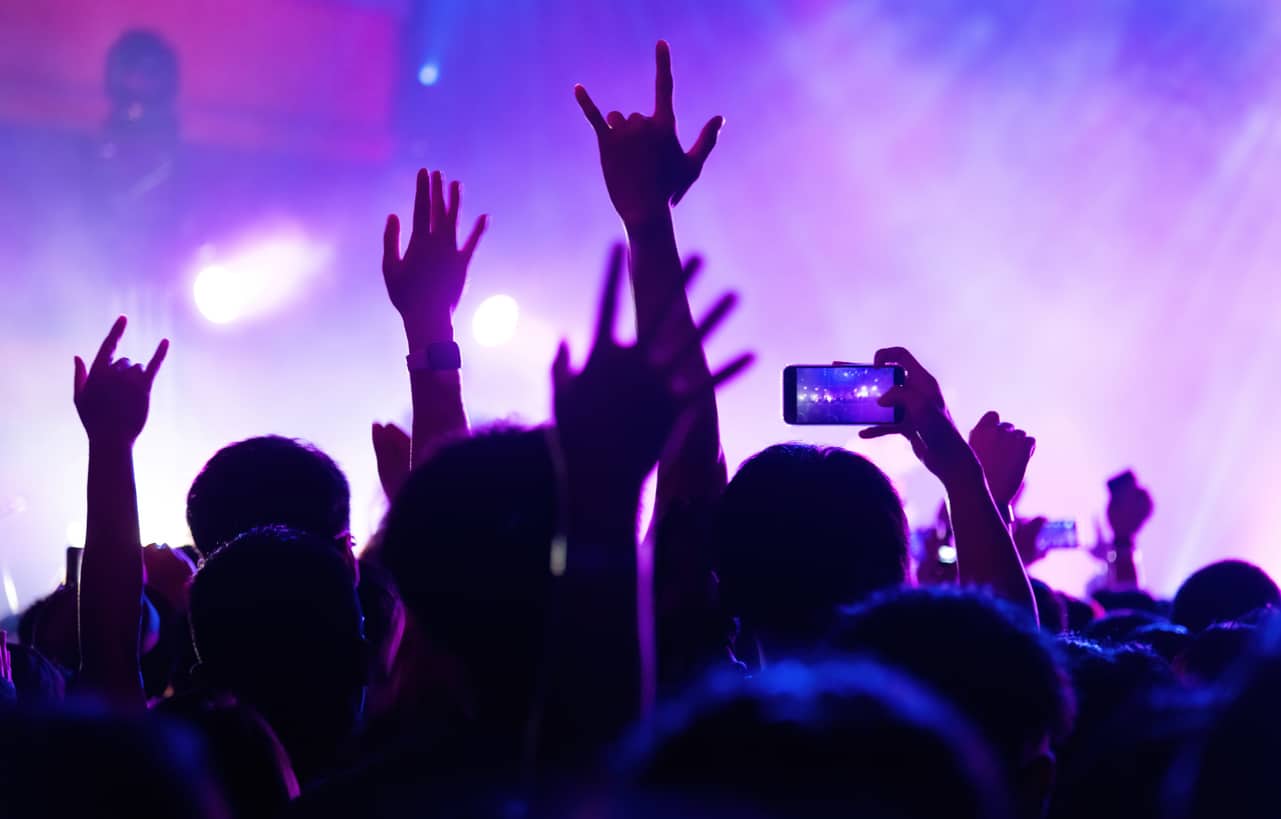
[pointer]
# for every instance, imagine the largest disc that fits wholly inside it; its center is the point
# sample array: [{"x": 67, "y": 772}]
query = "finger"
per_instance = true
[
  {"x": 158, "y": 358},
  {"x": 663, "y": 84},
  {"x": 693, "y": 266},
  {"x": 1029, "y": 446},
  {"x": 990, "y": 418},
  {"x": 694, "y": 346},
  {"x": 656, "y": 327},
  {"x": 451, "y": 208},
  {"x": 706, "y": 140},
  {"x": 591, "y": 111},
  {"x": 635, "y": 118},
  {"x": 473, "y": 238},
  {"x": 714, "y": 381},
  {"x": 607, "y": 315},
  {"x": 121, "y": 364},
  {"x": 108, "y": 348},
  {"x": 615, "y": 119},
  {"x": 422, "y": 203},
  {"x": 81, "y": 376},
  {"x": 699, "y": 153},
  {"x": 883, "y": 430},
  {"x": 391, "y": 244},
  {"x": 437, "y": 201},
  {"x": 1005, "y": 426},
  {"x": 560, "y": 367},
  {"x": 903, "y": 358}
]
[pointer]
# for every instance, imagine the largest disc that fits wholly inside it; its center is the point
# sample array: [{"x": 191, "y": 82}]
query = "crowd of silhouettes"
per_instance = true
[{"x": 496, "y": 649}]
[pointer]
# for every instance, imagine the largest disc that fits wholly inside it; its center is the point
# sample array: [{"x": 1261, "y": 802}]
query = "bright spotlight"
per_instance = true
[
  {"x": 494, "y": 322},
  {"x": 428, "y": 74},
  {"x": 215, "y": 293},
  {"x": 256, "y": 280}
]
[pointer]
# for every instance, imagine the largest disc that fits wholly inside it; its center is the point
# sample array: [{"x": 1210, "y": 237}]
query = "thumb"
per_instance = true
[
  {"x": 560, "y": 367},
  {"x": 81, "y": 376},
  {"x": 698, "y": 154},
  {"x": 706, "y": 141}
]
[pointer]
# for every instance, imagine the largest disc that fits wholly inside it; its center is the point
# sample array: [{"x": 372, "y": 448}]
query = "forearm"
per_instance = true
[
  {"x": 985, "y": 551},
  {"x": 111, "y": 574},
  {"x": 439, "y": 415},
  {"x": 695, "y": 468},
  {"x": 1123, "y": 572}
]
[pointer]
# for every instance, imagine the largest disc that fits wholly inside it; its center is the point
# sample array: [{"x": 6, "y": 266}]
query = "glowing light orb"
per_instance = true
[
  {"x": 494, "y": 322},
  {"x": 428, "y": 74}
]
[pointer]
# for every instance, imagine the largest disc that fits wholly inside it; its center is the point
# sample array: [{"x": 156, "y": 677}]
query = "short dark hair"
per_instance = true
[
  {"x": 1223, "y": 591},
  {"x": 468, "y": 543},
  {"x": 267, "y": 481},
  {"x": 803, "y": 530},
  {"x": 987, "y": 657},
  {"x": 276, "y": 621},
  {"x": 853, "y": 737}
]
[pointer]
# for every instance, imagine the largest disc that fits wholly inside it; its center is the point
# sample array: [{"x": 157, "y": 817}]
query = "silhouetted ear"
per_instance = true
[{"x": 1036, "y": 784}]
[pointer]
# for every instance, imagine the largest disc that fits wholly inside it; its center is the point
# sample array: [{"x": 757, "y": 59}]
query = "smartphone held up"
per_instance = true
[{"x": 847, "y": 394}]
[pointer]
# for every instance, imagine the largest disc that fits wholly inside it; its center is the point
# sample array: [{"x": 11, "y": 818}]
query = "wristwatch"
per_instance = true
[{"x": 440, "y": 355}]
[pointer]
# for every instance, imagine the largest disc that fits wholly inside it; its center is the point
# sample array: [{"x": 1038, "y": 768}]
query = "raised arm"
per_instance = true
[
  {"x": 425, "y": 285},
  {"x": 985, "y": 551},
  {"x": 112, "y": 397},
  {"x": 613, "y": 419},
  {"x": 646, "y": 172}
]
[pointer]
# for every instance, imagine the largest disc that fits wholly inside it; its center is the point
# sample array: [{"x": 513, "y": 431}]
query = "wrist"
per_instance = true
[
  {"x": 421, "y": 334},
  {"x": 648, "y": 222},
  {"x": 110, "y": 445}
]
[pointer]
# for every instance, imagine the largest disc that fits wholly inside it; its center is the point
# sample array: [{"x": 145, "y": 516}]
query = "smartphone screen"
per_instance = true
[
  {"x": 839, "y": 395},
  {"x": 1057, "y": 534}
]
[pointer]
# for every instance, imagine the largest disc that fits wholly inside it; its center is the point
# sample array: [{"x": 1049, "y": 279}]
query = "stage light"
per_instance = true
[
  {"x": 428, "y": 74},
  {"x": 215, "y": 294},
  {"x": 494, "y": 322},
  {"x": 255, "y": 280}
]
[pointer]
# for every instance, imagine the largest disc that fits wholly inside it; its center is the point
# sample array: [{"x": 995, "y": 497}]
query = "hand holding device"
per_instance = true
[{"x": 840, "y": 394}]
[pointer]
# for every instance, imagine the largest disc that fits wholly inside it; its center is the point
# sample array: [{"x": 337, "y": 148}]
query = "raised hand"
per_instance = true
[
  {"x": 645, "y": 167},
  {"x": 392, "y": 452},
  {"x": 926, "y": 423},
  {"x": 1128, "y": 509},
  {"x": 426, "y": 283},
  {"x": 113, "y": 396},
  {"x": 1004, "y": 451},
  {"x": 615, "y": 416}
]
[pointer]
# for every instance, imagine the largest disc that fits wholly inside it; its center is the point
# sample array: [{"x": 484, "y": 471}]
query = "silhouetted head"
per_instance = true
[
  {"x": 803, "y": 530},
  {"x": 245, "y": 757},
  {"x": 38, "y": 681},
  {"x": 1080, "y": 613},
  {"x": 268, "y": 481},
  {"x": 276, "y": 622},
  {"x": 1223, "y": 591},
  {"x": 69, "y": 763},
  {"x": 838, "y": 738},
  {"x": 1119, "y": 627},
  {"x": 468, "y": 543},
  {"x": 988, "y": 658},
  {"x": 1213, "y": 653},
  {"x": 1233, "y": 773}
]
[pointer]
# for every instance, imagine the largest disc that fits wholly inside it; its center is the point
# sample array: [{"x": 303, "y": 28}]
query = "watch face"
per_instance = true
[{"x": 444, "y": 355}]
